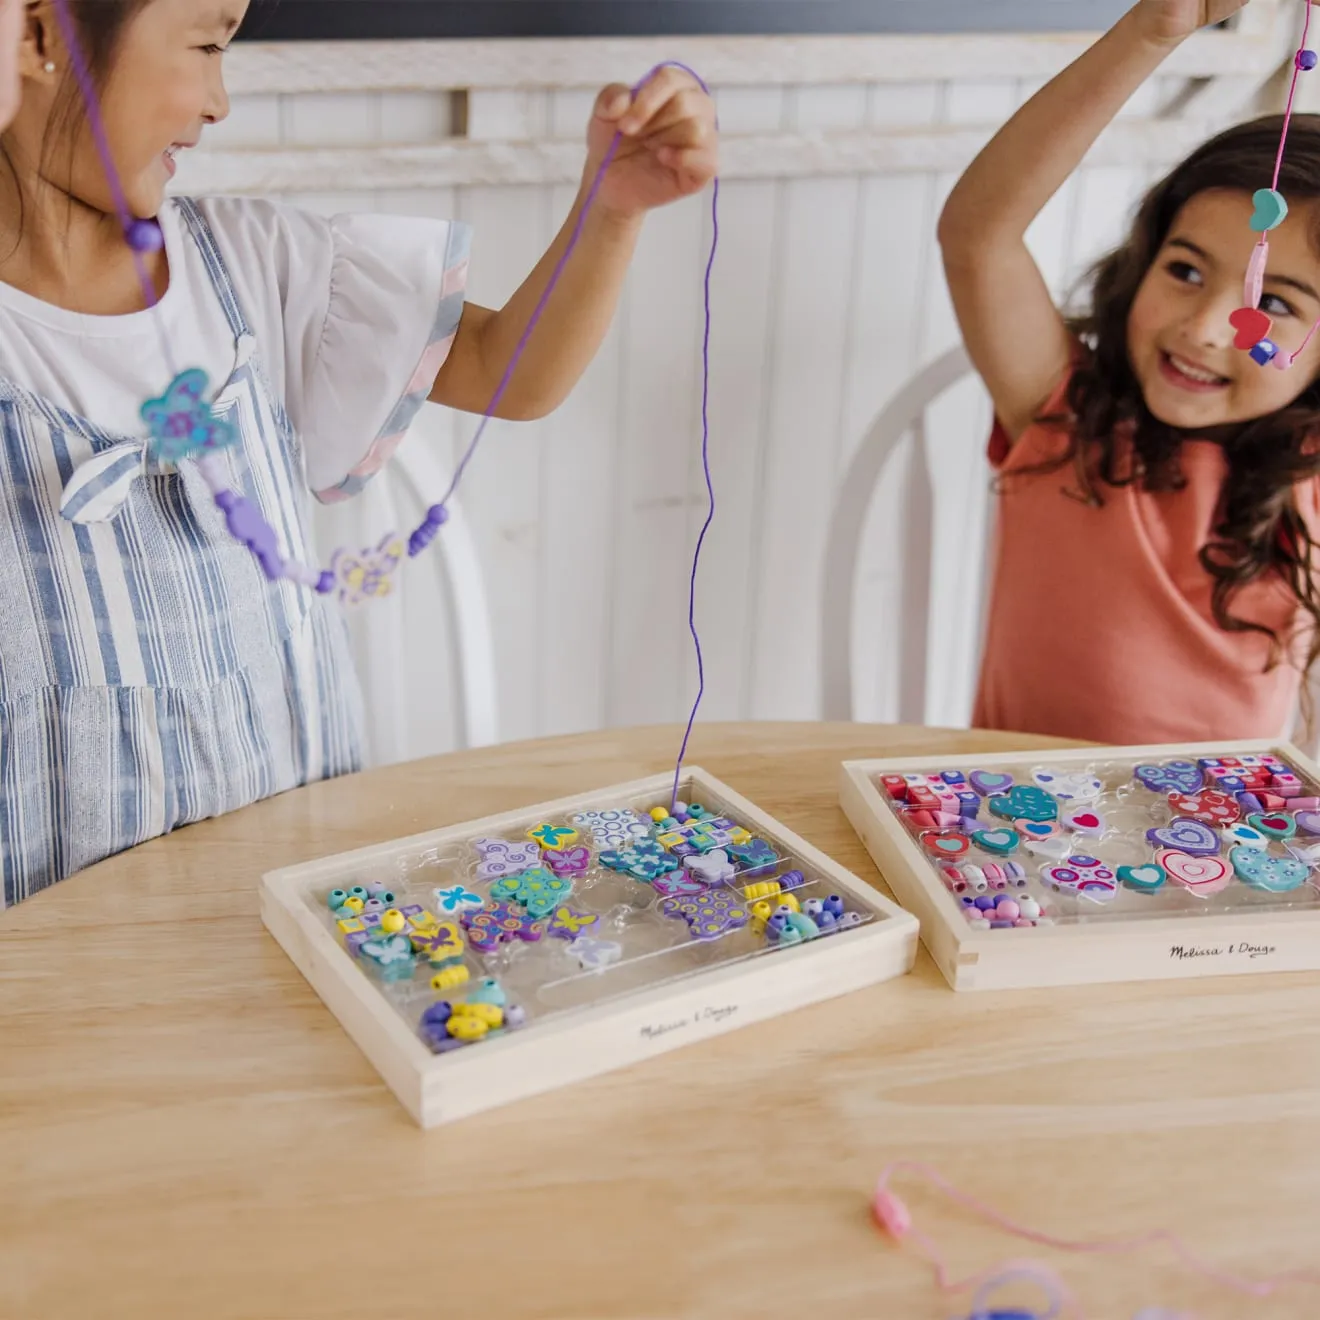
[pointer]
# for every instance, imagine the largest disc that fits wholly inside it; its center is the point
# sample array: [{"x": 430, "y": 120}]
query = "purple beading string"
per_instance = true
[
  {"x": 705, "y": 394},
  {"x": 87, "y": 86}
]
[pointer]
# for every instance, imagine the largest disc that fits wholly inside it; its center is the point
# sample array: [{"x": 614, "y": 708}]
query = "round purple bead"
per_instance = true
[
  {"x": 144, "y": 236},
  {"x": 985, "y": 902},
  {"x": 1307, "y": 60},
  {"x": 325, "y": 584},
  {"x": 438, "y": 1013},
  {"x": 437, "y": 515}
]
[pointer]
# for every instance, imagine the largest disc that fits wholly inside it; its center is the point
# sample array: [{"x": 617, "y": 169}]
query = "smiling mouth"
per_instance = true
[{"x": 1188, "y": 375}]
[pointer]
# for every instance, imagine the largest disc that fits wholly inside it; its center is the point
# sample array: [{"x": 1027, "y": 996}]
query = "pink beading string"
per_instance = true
[
  {"x": 895, "y": 1218},
  {"x": 1264, "y": 243},
  {"x": 436, "y": 515}
]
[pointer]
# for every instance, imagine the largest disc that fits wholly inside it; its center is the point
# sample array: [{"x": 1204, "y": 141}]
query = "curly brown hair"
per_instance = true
[{"x": 1257, "y": 529}]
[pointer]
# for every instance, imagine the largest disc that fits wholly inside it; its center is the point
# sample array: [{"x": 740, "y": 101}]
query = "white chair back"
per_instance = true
[
  {"x": 426, "y": 653},
  {"x": 939, "y": 600}
]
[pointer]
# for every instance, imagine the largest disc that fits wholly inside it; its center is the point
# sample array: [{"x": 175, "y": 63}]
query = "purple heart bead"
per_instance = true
[
  {"x": 1308, "y": 821},
  {"x": 1171, "y": 777},
  {"x": 986, "y": 782},
  {"x": 1186, "y": 835}
]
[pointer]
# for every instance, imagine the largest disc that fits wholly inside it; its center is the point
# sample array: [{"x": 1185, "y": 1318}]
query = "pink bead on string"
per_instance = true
[
  {"x": 1270, "y": 211},
  {"x": 895, "y": 1219}
]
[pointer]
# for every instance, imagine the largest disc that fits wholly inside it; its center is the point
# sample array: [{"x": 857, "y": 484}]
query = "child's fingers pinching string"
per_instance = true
[
  {"x": 656, "y": 95},
  {"x": 612, "y": 104}
]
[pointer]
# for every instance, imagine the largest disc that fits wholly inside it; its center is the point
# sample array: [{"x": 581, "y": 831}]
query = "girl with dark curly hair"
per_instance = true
[{"x": 1154, "y": 578}]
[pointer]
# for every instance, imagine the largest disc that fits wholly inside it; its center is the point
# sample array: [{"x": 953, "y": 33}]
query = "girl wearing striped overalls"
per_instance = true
[{"x": 150, "y": 674}]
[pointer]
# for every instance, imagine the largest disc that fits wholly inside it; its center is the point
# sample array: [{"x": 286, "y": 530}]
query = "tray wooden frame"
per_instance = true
[
  {"x": 1146, "y": 948},
  {"x": 576, "y": 1044}
]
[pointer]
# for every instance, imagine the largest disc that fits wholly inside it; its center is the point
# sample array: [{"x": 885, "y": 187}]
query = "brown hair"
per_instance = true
[{"x": 1257, "y": 528}]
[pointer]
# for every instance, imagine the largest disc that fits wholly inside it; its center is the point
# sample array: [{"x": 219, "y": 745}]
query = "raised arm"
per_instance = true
[
  {"x": 668, "y": 151},
  {"x": 1013, "y": 331}
]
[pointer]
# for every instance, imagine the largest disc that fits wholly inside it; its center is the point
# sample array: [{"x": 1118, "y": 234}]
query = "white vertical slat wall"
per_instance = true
[{"x": 827, "y": 295}]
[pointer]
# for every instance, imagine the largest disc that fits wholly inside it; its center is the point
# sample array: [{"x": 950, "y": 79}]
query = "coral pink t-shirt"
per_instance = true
[{"x": 1100, "y": 625}]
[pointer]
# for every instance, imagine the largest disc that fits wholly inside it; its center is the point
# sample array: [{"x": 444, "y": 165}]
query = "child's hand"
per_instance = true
[
  {"x": 1170, "y": 21},
  {"x": 668, "y": 148},
  {"x": 11, "y": 33}
]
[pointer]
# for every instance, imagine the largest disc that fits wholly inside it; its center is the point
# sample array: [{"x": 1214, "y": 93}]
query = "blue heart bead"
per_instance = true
[{"x": 1270, "y": 210}]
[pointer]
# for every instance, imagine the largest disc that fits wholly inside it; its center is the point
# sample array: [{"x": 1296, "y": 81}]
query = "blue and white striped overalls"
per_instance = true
[{"x": 150, "y": 676}]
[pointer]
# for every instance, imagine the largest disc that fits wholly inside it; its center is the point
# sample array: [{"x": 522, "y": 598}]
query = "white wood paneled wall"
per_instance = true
[{"x": 827, "y": 295}]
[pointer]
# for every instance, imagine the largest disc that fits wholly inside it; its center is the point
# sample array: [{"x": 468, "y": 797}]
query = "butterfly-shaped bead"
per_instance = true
[
  {"x": 368, "y": 574},
  {"x": 181, "y": 422}
]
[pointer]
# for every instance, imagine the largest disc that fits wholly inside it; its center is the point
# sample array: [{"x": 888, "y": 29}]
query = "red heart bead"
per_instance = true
[{"x": 1252, "y": 325}]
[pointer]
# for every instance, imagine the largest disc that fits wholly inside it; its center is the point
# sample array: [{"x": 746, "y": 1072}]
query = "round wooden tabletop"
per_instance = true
[{"x": 186, "y": 1131}]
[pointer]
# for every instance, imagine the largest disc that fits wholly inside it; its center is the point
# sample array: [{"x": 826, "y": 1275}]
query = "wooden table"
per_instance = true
[{"x": 185, "y": 1131}]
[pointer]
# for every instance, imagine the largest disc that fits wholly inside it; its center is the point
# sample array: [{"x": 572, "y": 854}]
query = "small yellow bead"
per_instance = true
[
  {"x": 392, "y": 921},
  {"x": 491, "y": 1014},
  {"x": 464, "y": 1026},
  {"x": 353, "y": 904},
  {"x": 761, "y": 913},
  {"x": 790, "y": 902},
  {"x": 449, "y": 978},
  {"x": 659, "y": 813},
  {"x": 762, "y": 889}
]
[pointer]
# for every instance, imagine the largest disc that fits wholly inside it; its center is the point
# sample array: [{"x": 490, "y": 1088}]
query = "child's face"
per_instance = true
[
  {"x": 1180, "y": 342},
  {"x": 164, "y": 86}
]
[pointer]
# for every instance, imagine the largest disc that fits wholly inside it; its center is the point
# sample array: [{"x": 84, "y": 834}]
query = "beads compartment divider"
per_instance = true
[
  {"x": 699, "y": 989},
  {"x": 1238, "y": 931}
]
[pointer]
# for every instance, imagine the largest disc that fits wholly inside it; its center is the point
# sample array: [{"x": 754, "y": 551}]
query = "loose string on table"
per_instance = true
[
  {"x": 144, "y": 236},
  {"x": 894, "y": 1217}
]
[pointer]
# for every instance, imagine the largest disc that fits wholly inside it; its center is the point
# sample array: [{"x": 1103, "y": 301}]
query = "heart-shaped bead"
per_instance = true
[
  {"x": 1252, "y": 325},
  {"x": 986, "y": 782},
  {"x": 1084, "y": 876},
  {"x": 1085, "y": 821},
  {"x": 1024, "y": 802},
  {"x": 1068, "y": 786},
  {"x": 1145, "y": 879},
  {"x": 1209, "y": 805},
  {"x": 1308, "y": 821},
  {"x": 1276, "y": 825},
  {"x": 948, "y": 847},
  {"x": 1180, "y": 776},
  {"x": 1271, "y": 210},
  {"x": 1056, "y": 847},
  {"x": 1187, "y": 836},
  {"x": 1037, "y": 829},
  {"x": 1275, "y": 875},
  {"x": 1200, "y": 875},
  {"x": 1307, "y": 853},
  {"x": 1001, "y": 841},
  {"x": 1245, "y": 836}
]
